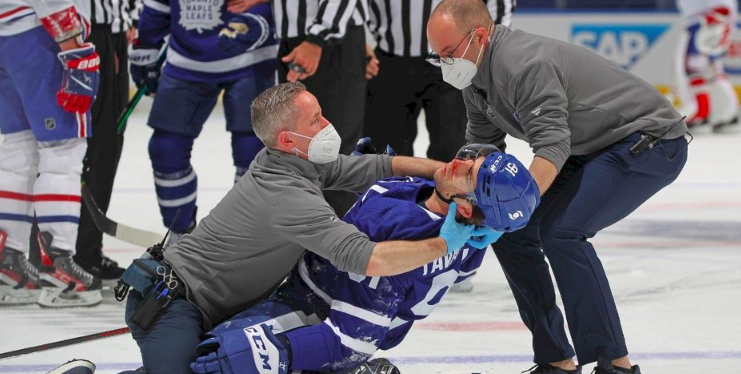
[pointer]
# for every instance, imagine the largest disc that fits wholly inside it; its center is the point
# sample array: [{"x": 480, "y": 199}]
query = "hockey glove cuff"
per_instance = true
[
  {"x": 253, "y": 350},
  {"x": 80, "y": 78}
]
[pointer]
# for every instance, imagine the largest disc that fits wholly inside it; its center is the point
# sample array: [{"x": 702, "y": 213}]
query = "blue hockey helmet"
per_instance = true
[{"x": 505, "y": 190}]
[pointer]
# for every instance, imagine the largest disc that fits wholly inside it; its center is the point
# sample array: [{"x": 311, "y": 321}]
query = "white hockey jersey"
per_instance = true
[
  {"x": 17, "y": 16},
  {"x": 690, "y": 8}
]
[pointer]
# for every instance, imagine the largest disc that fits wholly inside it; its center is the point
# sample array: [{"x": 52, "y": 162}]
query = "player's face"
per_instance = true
[
  {"x": 310, "y": 120},
  {"x": 458, "y": 178}
]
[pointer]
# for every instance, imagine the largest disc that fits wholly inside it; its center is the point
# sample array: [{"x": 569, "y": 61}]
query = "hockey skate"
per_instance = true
[
  {"x": 464, "y": 286},
  {"x": 606, "y": 367},
  {"x": 64, "y": 283},
  {"x": 19, "y": 280},
  {"x": 75, "y": 366},
  {"x": 375, "y": 366}
]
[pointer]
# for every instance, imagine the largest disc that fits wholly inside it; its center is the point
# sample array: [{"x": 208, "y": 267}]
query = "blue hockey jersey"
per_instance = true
[
  {"x": 368, "y": 313},
  {"x": 193, "y": 27}
]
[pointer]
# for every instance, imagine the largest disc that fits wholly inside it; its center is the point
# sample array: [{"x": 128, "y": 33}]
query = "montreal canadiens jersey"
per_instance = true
[
  {"x": 368, "y": 313},
  {"x": 17, "y": 16},
  {"x": 193, "y": 52}
]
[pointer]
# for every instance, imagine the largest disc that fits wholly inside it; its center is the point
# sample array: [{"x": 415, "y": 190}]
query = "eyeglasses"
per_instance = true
[
  {"x": 472, "y": 152},
  {"x": 475, "y": 150},
  {"x": 437, "y": 60}
]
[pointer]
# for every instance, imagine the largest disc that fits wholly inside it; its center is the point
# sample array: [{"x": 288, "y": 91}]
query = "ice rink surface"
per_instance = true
[{"x": 674, "y": 267}]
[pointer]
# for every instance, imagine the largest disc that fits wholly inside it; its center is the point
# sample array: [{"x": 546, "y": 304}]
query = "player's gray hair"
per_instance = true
[
  {"x": 273, "y": 111},
  {"x": 467, "y": 14}
]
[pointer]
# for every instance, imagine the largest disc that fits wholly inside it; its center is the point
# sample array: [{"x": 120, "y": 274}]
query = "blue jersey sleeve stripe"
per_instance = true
[
  {"x": 354, "y": 344},
  {"x": 155, "y": 5},
  {"x": 361, "y": 313}
]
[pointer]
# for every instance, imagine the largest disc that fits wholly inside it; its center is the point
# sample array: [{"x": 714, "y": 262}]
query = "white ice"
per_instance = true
[{"x": 674, "y": 267}]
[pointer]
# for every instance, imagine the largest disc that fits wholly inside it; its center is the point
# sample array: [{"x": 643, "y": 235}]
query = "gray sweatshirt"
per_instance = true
[
  {"x": 560, "y": 98},
  {"x": 250, "y": 241}
]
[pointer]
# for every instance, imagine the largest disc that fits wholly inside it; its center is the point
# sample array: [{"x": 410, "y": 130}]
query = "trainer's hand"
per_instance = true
[
  {"x": 307, "y": 56},
  {"x": 455, "y": 234},
  {"x": 483, "y": 237},
  {"x": 241, "y": 6},
  {"x": 371, "y": 65}
]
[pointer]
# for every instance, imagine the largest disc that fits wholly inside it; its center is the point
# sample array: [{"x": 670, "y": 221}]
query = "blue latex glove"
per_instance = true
[
  {"x": 455, "y": 234},
  {"x": 483, "y": 237},
  {"x": 244, "y": 32},
  {"x": 234, "y": 352},
  {"x": 145, "y": 71}
]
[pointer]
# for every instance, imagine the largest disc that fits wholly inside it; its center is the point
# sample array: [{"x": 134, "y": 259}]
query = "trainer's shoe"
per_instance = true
[
  {"x": 375, "y": 366},
  {"x": 605, "y": 367},
  {"x": 75, "y": 366},
  {"x": 102, "y": 268},
  {"x": 65, "y": 283},
  {"x": 549, "y": 369},
  {"x": 19, "y": 280}
]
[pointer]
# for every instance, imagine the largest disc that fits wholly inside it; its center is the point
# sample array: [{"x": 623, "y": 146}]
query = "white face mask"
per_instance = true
[
  {"x": 324, "y": 147},
  {"x": 460, "y": 73}
]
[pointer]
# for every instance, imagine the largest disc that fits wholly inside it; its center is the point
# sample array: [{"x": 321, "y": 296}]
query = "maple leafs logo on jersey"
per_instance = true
[{"x": 200, "y": 15}]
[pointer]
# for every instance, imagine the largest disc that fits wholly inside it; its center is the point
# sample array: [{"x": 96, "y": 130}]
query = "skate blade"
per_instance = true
[
  {"x": 59, "y": 298},
  {"x": 10, "y": 296},
  {"x": 75, "y": 367}
]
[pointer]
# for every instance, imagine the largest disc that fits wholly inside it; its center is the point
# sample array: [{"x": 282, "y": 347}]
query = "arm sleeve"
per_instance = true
[
  {"x": 541, "y": 103},
  {"x": 331, "y": 21},
  {"x": 63, "y": 19},
  {"x": 479, "y": 128},
  {"x": 307, "y": 219},
  {"x": 154, "y": 23},
  {"x": 356, "y": 173},
  {"x": 264, "y": 16}
]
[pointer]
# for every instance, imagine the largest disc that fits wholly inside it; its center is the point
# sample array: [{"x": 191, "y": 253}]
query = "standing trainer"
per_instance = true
[
  {"x": 406, "y": 83},
  {"x": 248, "y": 244},
  {"x": 604, "y": 140}
]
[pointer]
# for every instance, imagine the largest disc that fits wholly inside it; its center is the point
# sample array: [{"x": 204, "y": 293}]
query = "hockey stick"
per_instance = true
[
  {"x": 124, "y": 116},
  {"x": 64, "y": 343},
  {"x": 119, "y": 231}
]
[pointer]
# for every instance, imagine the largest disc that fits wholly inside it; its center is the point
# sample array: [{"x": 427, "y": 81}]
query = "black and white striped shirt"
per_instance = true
[
  {"x": 120, "y": 14},
  {"x": 400, "y": 26},
  {"x": 320, "y": 21}
]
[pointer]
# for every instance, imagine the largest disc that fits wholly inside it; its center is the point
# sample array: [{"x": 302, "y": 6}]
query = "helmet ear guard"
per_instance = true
[{"x": 506, "y": 192}]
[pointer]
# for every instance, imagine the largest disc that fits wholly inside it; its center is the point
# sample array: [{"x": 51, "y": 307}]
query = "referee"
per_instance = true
[
  {"x": 113, "y": 28},
  {"x": 326, "y": 38},
  {"x": 406, "y": 83}
]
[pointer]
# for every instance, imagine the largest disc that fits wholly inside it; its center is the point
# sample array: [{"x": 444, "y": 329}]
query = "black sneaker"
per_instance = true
[
  {"x": 605, "y": 367},
  {"x": 549, "y": 369},
  {"x": 104, "y": 268}
]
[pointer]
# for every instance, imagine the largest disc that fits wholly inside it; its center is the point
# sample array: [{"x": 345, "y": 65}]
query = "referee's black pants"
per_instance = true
[
  {"x": 104, "y": 147},
  {"x": 338, "y": 84},
  {"x": 403, "y": 87}
]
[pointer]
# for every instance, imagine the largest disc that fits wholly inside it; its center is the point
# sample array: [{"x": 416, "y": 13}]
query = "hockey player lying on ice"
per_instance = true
[{"x": 325, "y": 320}]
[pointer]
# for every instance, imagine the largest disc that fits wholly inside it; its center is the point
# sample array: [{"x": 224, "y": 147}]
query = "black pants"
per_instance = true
[
  {"x": 339, "y": 86},
  {"x": 402, "y": 88},
  {"x": 589, "y": 194},
  {"x": 104, "y": 147},
  {"x": 339, "y": 83}
]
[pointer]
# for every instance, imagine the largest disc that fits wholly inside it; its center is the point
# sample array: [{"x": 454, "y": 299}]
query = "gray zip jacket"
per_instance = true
[
  {"x": 560, "y": 98},
  {"x": 250, "y": 241}
]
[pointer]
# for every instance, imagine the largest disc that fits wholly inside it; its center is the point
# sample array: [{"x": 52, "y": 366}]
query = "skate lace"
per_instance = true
[
  {"x": 107, "y": 263},
  {"x": 69, "y": 265}
]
